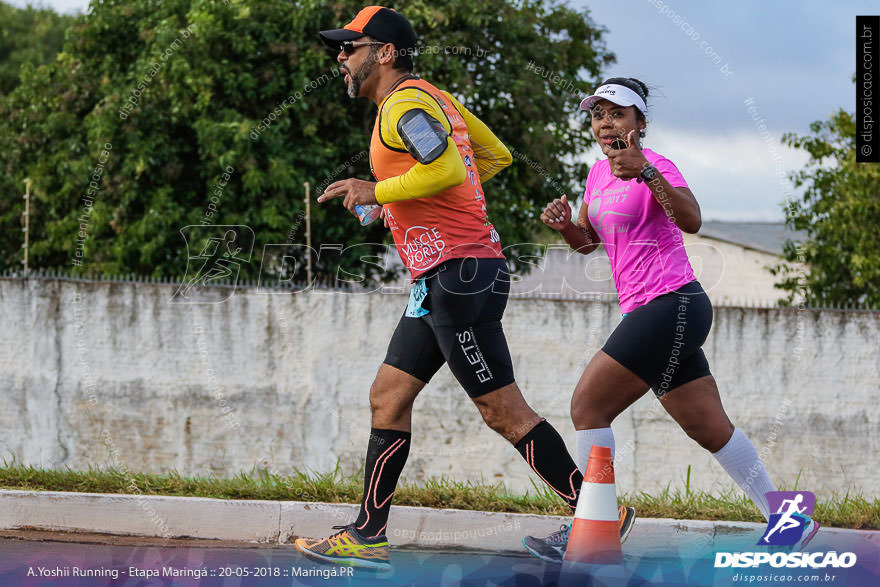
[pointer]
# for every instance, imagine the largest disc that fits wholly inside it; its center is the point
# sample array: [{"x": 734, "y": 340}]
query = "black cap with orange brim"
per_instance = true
[{"x": 381, "y": 23}]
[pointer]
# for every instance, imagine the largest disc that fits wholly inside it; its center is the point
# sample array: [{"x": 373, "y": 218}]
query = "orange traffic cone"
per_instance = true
[{"x": 595, "y": 533}]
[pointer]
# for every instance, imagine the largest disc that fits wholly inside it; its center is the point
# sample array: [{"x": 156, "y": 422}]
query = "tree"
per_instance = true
[
  {"x": 155, "y": 102},
  {"x": 840, "y": 211},
  {"x": 32, "y": 37},
  {"x": 27, "y": 35}
]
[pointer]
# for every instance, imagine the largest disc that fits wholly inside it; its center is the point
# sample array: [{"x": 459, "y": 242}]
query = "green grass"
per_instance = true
[{"x": 334, "y": 487}]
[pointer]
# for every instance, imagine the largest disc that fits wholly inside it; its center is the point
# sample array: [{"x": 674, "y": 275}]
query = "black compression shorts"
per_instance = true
[
  {"x": 465, "y": 301},
  {"x": 660, "y": 341}
]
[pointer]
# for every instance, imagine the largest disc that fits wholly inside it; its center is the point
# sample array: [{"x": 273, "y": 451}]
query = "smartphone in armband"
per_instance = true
[{"x": 423, "y": 136}]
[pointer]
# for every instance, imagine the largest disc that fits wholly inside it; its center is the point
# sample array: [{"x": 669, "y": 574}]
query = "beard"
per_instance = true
[{"x": 359, "y": 77}]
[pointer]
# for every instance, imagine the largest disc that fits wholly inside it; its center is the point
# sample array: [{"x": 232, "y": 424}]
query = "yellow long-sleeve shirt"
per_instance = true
[{"x": 448, "y": 169}]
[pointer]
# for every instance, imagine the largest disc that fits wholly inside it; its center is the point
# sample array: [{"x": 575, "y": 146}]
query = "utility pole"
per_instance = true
[
  {"x": 308, "y": 236},
  {"x": 26, "y": 218}
]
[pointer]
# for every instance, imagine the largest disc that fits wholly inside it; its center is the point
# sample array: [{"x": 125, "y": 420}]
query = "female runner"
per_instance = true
[{"x": 637, "y": 204}]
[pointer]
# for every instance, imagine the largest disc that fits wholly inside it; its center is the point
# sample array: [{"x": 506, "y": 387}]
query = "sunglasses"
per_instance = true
[{"x": 348, "y": 47}]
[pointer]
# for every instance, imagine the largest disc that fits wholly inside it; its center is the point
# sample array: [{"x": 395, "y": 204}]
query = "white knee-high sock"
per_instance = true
[
  {"x": 586, "y": 439},
  {"x": 740, "y": 459}
]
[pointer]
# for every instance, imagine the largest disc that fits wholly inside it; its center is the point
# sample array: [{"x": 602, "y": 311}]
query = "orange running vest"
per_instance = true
[{"x": 448, "y": 225}]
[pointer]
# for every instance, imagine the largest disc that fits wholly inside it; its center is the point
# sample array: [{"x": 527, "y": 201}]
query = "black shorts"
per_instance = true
[
  {"x": 660, "y": 341},
  {"x": 465, "y": 302}
]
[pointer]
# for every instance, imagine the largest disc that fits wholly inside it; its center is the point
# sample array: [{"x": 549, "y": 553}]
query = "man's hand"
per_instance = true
[
  {"x": 557, "y": 214},
  {"x": 355, "y": 192},
  {"x": 626, "y": 163}
]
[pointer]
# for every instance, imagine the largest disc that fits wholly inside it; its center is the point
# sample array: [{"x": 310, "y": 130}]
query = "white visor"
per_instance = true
[{"x": 620, "y": 95}]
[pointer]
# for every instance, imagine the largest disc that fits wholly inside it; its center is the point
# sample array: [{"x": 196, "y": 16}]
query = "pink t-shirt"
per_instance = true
[{"x": 644, "y": 245}]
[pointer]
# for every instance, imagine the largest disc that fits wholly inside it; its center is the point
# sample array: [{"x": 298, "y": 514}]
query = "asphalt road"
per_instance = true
[
  {"x": 67, "y": 560},
  {"x": 38, "y": 558}
]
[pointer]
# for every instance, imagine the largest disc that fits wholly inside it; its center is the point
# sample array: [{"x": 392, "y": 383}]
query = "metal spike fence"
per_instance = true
[
  {"x": 330, "y": 283},
  {"x": 321, "y": 282}
]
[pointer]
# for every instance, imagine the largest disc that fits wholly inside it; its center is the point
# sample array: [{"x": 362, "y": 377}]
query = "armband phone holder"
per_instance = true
[{"x": 423, "y": 135}]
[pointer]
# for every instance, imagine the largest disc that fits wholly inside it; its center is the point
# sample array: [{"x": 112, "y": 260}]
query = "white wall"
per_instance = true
[
  {"x": 98, "y": 373},
  {"x": 730, "y": 274}
]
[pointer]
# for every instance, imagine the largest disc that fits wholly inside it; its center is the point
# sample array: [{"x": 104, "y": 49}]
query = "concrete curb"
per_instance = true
[{"x": 281, "y": 522}]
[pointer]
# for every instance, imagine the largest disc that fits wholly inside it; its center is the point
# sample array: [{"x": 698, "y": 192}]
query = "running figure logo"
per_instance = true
[
  {"x": 793, "y": 510},
  {"x": 220, "y": 252}
]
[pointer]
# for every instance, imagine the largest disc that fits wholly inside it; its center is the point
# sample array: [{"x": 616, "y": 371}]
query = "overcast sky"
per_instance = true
[{"x": 793, "y": 58}]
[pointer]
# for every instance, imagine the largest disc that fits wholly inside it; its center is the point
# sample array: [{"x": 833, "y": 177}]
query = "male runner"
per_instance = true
[{"x": 430, "y": 156}]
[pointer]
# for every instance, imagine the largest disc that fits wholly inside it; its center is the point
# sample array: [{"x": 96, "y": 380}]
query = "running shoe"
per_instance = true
[
  {"x": 552, "y": 548},
  {"x": 627, "y": 517},
  {"x": 347, "y": 547}
]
